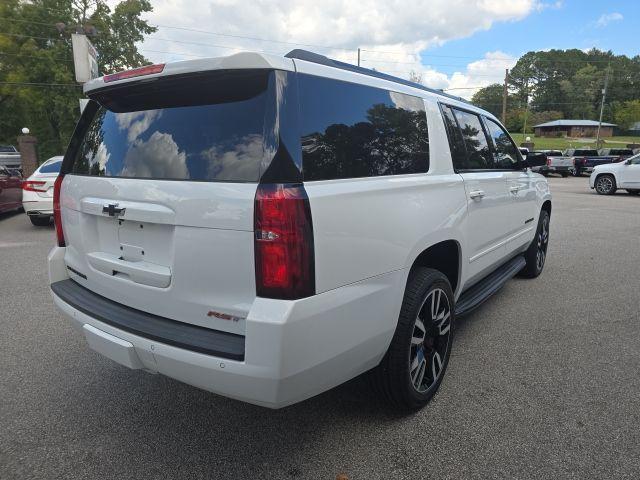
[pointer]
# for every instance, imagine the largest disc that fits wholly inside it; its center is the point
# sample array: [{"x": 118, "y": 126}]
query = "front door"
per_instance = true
[
  {"x": 630, "y": 174},
  {"x": 520, "y": 185}
]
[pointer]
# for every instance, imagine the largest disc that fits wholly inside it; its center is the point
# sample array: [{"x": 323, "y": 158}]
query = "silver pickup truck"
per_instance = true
[
  {"x": 556, "y": 162},
  {"x": 10, "y": 157}
]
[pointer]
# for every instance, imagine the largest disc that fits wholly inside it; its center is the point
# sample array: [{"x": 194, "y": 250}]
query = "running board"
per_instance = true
[{"x": 478, "y": 293}]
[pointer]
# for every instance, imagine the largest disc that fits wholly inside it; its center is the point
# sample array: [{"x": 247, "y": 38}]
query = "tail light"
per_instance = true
[
  {"x": 134, "y": 72},
  {"x": 33, "y": 186},
  {"x": 57, "y": 217},
  {"x": 284, "y": 254}
]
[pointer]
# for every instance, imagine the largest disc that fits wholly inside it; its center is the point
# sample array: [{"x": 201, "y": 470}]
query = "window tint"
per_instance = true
[
  {"x": 350, "y": 130},
  {"x": 505, "y": 152},
  {"x": 53, "y": 167},
  {"x": 479, "y": 154},
  {"x": 635, "y": 160},
  {"x": 202, "y": 128},
  {"x": 585, "y": 153},
  {"x": 456, "y": 142}
]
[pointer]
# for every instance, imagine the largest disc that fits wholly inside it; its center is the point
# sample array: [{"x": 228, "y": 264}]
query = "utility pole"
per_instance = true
[
  {"x": 604, "y": 95},
  {"x": 358, "y": 56},
  {"x": 504, "y": 97}
]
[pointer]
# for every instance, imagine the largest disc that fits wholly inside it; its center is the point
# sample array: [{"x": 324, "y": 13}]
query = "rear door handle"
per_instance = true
[{"x": 476, "y": 194}]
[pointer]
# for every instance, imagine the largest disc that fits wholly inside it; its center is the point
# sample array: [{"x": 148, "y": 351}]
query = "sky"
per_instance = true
[{"x": 456, "y": 45}]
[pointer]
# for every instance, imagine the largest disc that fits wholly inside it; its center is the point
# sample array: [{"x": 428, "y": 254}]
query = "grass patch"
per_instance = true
[{"x": 545, "y": 143}]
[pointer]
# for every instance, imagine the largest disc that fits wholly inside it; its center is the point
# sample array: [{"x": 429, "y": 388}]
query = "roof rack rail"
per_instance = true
[{"x": 312, "y": 57}]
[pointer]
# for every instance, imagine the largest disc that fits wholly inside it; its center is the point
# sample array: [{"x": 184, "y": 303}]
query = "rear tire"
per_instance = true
[
  {"x": 564, "y": 174},
  {"x": 634, "y": 192},
  {"x": 606, "y": 184},
  {"x": 40, "y": 221},
  {"x": 536, "y": 254},
  {"x": 411, "y": 371},
  {"x": 575, "y": 172}
]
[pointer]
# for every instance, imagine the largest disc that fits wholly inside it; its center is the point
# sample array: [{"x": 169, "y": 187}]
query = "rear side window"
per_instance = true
[
  {"x": 203, "y": 128},
  {"x": 350, "y": 130},
  {"x": 479, "y": 155},
  {"x": 53, "y": 167}
]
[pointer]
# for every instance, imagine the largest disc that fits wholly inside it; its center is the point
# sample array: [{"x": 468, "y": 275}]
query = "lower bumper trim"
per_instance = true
[{"x": 153, "y": 327}]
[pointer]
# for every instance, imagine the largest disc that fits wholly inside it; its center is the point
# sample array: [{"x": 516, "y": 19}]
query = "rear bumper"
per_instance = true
[
  {"x": 292, "y": 349},
  {"x": 37, "y": 206}
]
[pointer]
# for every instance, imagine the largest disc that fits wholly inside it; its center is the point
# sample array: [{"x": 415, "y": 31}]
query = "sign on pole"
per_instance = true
[{"x": 85, "y": 58}]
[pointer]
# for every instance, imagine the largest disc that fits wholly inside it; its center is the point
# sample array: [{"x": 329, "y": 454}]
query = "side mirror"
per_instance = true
[{"x": 535, "y": 160}]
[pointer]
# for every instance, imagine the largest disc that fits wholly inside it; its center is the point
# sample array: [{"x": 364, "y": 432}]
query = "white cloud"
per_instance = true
[
  {"x": 137, "y": 122},
  {"x": 607, "y": 18},
  {"x": 243, "y": 161},
  {"x": 158, "y": 157},
  {"x": 392, "y": 34}
]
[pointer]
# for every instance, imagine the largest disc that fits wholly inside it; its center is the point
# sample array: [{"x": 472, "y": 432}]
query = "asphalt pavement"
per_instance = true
[{"x": 543, "y": 382}]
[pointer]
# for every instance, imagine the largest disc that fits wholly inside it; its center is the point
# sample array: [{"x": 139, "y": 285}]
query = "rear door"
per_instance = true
[
  {"x": 157, "y": 206},
  {"x": 521, "y": 186},
  {"x": 488, "y": 200}
]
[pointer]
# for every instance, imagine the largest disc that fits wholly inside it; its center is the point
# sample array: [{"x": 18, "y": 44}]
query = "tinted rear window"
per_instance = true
[
  {"x": 350, "y": 130},
  {"x": 620, "y": 151},
  {"x": 208, "y": 127},
  {"x": 53, "y": 167},
  {"x": 586, "y": 153}
]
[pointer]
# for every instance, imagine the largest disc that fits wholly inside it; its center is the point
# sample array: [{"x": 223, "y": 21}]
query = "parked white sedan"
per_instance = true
[
  {"x": 606, "y": 179},
  {"x": 37, "y": 192}
]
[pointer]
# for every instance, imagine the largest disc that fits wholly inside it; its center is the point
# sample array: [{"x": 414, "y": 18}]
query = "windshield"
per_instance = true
[{"x": 201, "y": 128}]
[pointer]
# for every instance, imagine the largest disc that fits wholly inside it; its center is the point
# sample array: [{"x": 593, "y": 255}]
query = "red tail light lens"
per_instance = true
[
  {"x": 134, "y": 72},
  {"x": 57, "y": 217},
  {"x": 284, "y": 255},
  {"x": 33, "y": 186}
]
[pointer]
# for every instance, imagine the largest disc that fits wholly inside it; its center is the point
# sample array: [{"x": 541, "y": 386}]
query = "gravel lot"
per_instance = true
[{"x": 543, "y": 382}]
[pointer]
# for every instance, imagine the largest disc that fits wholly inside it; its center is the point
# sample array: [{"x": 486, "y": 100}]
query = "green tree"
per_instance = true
[
  {"x": 489, "y": 98},
  {"x": 36, "y": 49},
  {"x": 627, "y": 113}
]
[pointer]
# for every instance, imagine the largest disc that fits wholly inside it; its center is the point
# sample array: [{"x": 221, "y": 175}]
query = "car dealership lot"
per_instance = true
[{"x": 543, "y": 382}]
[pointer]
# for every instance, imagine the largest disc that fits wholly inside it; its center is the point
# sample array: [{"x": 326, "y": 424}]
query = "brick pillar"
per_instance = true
[{"x": 28, "y": 154}]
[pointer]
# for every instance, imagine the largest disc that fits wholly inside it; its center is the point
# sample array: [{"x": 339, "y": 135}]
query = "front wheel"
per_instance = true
[
  {"x": 536, "y": 254},
  {"x": 411, "y": 371},
  {"x": 606, "y": 185}
]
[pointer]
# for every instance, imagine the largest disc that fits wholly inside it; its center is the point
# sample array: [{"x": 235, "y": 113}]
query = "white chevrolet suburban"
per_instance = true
[{"x": 267, "y": 227}]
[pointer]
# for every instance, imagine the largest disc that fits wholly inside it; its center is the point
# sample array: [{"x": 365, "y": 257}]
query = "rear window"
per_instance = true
[
  {"x": 206, "y": 127},
  {"x": 53, "y": 167},
  {"x": 351, "y": 130},
  {"x": 6, "y": 149},
  {"x": 620, "y": 151},
  {"x": 586, "y": 153}
]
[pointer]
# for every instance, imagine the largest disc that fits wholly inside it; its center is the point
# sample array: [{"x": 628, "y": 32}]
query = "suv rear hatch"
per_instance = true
[{"x": 158, "y": 196}]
